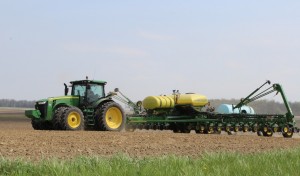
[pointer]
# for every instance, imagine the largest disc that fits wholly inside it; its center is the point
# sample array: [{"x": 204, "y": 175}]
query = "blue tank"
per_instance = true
[{"x": 228, "y": 109}]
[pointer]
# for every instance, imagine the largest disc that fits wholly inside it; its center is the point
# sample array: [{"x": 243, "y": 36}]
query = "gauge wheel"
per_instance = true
[
  {"x": 175, "y": 130},
  {"x": 200, "y": 130},
  {"x": 287, "y": 132},
  {"x": 236, "y": 128},
  {"x": 129, "y": 128},
  {"x": 219, "y": 130},
  {"x": 209, "y": 130},
  {"x": 245, "y": 129},
  {"x": 267, "y": 132},
  {"x": 259, "y": 133}
]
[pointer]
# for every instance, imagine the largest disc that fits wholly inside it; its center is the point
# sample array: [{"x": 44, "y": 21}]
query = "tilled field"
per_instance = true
[{"x": 19, "y": 140}]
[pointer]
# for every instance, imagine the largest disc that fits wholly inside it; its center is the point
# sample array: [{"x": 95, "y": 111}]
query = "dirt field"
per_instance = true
[{"x": 19, "y": 140}]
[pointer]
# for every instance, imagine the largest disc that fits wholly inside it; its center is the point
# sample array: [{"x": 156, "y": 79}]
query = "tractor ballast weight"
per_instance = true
[{"x": 86, "y": 107}]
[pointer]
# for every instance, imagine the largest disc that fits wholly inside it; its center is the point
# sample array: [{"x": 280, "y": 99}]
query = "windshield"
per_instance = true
[{"x": 79, "y": 90}]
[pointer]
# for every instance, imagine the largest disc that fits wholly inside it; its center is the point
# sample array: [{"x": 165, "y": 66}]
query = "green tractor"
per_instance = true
[{"x": 87, "y": 107}]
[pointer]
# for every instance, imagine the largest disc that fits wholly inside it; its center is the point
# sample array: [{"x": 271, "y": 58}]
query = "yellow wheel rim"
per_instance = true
[
  {"x": 254, "y": 128},
  {"x": 74, "y": 119},
  {"x": 236, "y": 129},
  {"x": 113, "y": 118},
  {"x": 287, "y": 132},
  {"x": 227, "y": 128},
  {"x": 245, "y": 129}
]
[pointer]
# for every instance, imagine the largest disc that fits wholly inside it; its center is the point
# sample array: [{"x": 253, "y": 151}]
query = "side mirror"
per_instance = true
[
  {"x": 139, "y": 104},
  {"x": 116, "y": 89},
  {"x": 66, "y": 89}
]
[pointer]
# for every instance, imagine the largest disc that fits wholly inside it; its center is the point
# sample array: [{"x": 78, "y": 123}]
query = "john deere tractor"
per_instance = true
[{"x": 86, "y": 107}]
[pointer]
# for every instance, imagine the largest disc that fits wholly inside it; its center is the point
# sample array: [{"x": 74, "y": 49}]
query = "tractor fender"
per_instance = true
[
  {"x": 60, "y": 105},
  {"x": 101, "y": 101}
]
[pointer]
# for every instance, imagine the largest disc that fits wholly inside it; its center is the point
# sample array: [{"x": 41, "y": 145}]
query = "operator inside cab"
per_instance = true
[{"x": 91, "y": 96}]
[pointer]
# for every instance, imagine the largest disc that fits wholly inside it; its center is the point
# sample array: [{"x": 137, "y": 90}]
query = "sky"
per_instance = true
[{"x": 221, "y": 49}]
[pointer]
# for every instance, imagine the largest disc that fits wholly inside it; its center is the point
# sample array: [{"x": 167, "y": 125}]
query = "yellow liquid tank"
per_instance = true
[{"x": 157, "y": 102}]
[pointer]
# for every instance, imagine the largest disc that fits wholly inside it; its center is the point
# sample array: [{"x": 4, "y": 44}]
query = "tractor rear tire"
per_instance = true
[
  {"x": 110, "y": 117},
  {"x": 71, "y": 119}
]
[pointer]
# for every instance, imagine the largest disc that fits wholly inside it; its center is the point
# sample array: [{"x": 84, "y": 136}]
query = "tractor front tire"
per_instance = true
[
  {"x": 41, "y": 125},
  {"x": 56, "y": 121},
  {"x": 71, "y": 119},
  {"x": 36, "y": 124},
  {"x": 110, "y": 117}
]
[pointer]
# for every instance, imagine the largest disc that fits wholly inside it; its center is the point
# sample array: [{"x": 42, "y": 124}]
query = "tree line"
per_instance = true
[
  {"x": 260, "y": 106},
  {"x": 16, "y": 103}
]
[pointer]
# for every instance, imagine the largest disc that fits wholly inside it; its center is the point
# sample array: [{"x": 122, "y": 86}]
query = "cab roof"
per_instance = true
[{"x": 88, "y": 81}]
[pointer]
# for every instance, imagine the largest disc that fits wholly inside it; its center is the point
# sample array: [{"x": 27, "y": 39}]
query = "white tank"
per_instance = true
[{"x": 228, "y": 109}]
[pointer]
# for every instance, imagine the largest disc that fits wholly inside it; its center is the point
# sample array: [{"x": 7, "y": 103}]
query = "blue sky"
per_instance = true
[{"x": 222, "y": 49}]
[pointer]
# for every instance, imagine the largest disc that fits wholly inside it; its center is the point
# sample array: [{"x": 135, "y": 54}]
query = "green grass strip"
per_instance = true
[{"x": 283, "y": 162}]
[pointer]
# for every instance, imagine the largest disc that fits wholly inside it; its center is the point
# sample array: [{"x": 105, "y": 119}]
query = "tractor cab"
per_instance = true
[{"x": 88, "y": 91}]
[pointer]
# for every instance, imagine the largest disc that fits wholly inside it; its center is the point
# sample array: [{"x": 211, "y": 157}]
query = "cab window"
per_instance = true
[
  {"x": 94, "y": 92},
  {"x": 79, "y": 90},
  {"x": 97, "y": 90}
]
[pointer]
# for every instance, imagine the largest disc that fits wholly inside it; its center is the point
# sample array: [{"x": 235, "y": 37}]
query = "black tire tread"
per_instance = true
[
  {"x": 41, "y": 125},
  {"x": 64, "y": 118},
  {"x": 56, "y": 120},
  {"x": 100, "y": 123}
]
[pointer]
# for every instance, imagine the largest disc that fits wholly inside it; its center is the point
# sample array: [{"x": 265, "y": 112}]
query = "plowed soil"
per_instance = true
[{"x": 19, "y": 140}]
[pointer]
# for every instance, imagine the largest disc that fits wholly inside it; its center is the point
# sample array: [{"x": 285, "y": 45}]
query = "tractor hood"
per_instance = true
[
  {"x": 61, "y": 99},
  {"x": 42, "y": 101},
  {"x": 68, "y": 100},
  {"x": 44, "y": 107}
]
